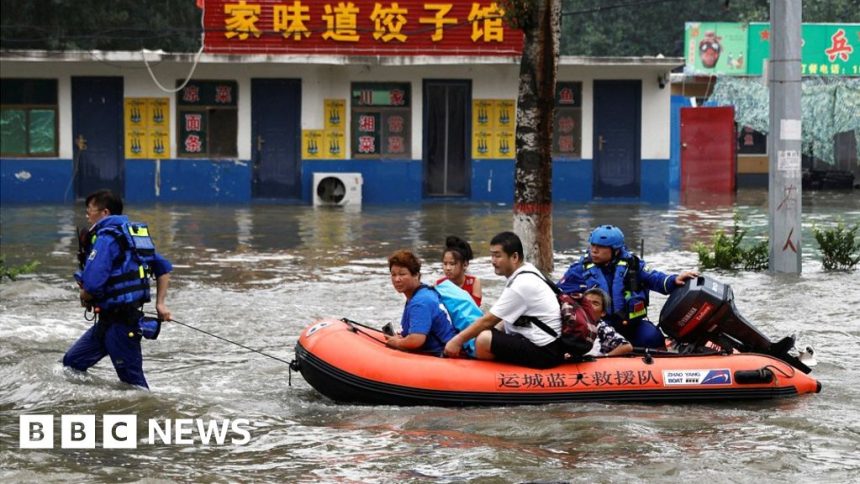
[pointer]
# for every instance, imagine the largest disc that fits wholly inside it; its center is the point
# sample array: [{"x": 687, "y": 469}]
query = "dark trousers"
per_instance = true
[
  {"x": 118, "y": 340},
  {"x": 642, "y": 334}
]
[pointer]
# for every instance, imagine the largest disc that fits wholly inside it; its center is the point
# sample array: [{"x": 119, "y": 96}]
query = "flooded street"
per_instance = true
[{"x": 259, "y": 274}]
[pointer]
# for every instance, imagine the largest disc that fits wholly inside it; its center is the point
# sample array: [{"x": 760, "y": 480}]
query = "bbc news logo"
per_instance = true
[{"x": 121, "y": 432}]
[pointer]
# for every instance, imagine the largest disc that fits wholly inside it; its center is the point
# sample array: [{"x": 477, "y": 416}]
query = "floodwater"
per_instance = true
[{"x": 258, "y": 274}]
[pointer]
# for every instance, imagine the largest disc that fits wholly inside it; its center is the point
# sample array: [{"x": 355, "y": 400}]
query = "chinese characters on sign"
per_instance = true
[
  {"x": 146, "y": 128},
  {"x": 380, "y": 119},
  {"x": 198, "y": 106},
  {"x": 241, "y": 20},
  {"x": 567, "y": 131},
  {"x": 359, "y": 27},
  {"x": 595, "y": 379},
  {"x": 826, "y": 50}
]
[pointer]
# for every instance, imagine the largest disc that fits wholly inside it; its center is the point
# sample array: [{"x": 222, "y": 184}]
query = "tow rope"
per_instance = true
[{"x": 292, "y": 364}]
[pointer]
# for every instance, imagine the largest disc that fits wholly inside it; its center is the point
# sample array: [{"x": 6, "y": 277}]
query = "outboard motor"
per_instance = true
[{"x": 704, "y": 310}]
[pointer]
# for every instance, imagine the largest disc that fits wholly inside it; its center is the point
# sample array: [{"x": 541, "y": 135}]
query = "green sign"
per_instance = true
[
  {"x": 380, "y": 94},
  {"x": 715, "y": 48},
  {"x": 828, "y": 49}
]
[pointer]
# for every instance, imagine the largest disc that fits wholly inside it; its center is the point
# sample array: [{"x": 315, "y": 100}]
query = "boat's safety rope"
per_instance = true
[
  {"x": 293, "y": 365},
  {"x": 352, "y": 326},
  {"x": 781, "y": 371}
]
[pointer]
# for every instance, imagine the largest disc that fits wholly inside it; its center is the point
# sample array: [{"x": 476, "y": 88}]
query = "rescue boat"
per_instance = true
[{"x": 349, "y": 363}]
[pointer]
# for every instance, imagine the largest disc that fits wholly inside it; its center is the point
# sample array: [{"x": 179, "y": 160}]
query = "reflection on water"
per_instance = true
[
  {"x": 331, "y": 238},
  {"x": 258, "y": 274}
]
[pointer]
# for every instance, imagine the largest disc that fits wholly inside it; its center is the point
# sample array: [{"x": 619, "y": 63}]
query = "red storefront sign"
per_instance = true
[{"x": 358, "y": 27}]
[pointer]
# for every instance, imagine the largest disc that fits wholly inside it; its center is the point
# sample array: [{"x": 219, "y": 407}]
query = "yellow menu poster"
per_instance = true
[{"x": 147, "y": 128}]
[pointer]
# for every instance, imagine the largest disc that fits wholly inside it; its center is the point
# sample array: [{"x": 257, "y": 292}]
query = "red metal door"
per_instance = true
[{"x": 708, "y": 156}]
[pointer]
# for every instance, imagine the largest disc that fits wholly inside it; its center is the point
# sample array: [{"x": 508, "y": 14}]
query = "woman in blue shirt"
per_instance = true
[{"x": 425, "y": 326}]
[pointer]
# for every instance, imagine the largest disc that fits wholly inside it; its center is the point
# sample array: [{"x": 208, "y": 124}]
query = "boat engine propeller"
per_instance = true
[{"x": 703, "y": 311}]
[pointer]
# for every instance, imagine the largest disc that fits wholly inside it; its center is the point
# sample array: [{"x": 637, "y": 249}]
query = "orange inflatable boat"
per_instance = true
[{"x": 350, "y": 363}]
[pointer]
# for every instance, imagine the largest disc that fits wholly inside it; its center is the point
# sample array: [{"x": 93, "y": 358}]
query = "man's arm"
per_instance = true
[
  {"x": 161, "y": 268},
  {"x": 420, "y": 317},
  {"x": 662, "y": 282},
  {"x": 684, "y": 276},
  {"x": 621, "y": 349},
  {"x": 487, "y": 321},
  {"x": 162, "y": 282}
]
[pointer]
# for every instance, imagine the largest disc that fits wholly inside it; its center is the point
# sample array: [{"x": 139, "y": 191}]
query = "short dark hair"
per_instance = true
[
  {"x": 510, "y": 243},
  {"x": 605, "y": 299},
  {"x": 105, "y": 199},
  {"x": 459, "y": 249},
  {"x": 407, "y": 259}
]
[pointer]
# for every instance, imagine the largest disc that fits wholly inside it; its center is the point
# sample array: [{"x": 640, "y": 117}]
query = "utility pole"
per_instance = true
[{"x": 783, "y": 141}]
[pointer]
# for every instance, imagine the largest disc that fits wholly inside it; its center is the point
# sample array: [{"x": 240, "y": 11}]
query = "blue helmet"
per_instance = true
[{"x": 607, "y": 236}]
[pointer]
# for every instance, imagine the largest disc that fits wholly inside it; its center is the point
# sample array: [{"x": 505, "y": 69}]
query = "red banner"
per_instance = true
[{"x": 358, "y": 27}]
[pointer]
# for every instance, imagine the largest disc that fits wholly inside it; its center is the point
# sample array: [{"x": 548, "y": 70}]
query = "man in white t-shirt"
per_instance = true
[{"x": 526, "y": 296}]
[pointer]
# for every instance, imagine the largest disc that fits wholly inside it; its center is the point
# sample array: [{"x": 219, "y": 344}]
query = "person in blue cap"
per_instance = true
[
  {"x": 627, "y": 279},
  {"x": 117, "y": 259}
]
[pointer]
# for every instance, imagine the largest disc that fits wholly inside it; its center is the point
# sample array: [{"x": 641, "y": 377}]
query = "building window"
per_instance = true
[
  {"x": 751, "y": 142},
  {"x": 381, "y": 115},
  {"x": 567, "y": 125},
  {"x": 207, "y": 119},
  {"x": 28, "y": 117}
]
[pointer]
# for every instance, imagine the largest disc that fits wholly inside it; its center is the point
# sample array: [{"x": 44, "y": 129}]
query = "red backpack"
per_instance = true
[{"x": 578, "y": 324}]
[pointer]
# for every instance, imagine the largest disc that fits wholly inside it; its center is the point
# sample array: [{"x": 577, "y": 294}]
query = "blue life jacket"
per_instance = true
[
  {"x": 629, "y": 296},
  {"x": 128, "y": 283},
  {"x": 461, "y": 309}
]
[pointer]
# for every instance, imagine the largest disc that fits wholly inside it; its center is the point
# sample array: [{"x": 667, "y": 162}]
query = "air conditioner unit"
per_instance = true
[{"x": 337, "y": 189}]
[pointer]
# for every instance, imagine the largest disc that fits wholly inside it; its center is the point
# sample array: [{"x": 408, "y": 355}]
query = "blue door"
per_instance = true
[
  {"x": 617, "y": 128},
  {"x": 97, "y": 134},
  {"x": 276, "y": 110}
]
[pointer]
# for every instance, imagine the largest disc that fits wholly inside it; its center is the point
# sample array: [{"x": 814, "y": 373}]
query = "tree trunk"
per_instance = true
[{"x": 535, "y": 105}]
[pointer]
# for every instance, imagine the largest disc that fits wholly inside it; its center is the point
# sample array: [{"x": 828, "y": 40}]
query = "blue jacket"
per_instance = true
[
  {"x": 119, "y": 260},
  {"x": 628, "y": 302}
]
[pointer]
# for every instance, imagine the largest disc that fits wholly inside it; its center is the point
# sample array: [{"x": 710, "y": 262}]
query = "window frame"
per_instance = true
[
  {"x": 575, "y": 107},
  {"x": 24, "y": 91},
  {"x": 205, "y": 109},
  {"x": 382, "y": 113}
]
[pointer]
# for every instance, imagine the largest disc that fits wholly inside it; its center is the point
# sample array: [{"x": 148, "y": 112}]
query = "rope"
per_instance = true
[
  {"x": 781, "y": 372},
  {"x": 352, "y": 325},
  {"x": 293, "y": 364},
  {"x": 231, "y": 341}
]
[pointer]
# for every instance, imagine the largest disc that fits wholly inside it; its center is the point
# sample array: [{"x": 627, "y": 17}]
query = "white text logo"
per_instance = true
[{"x": 121, "y": 432}]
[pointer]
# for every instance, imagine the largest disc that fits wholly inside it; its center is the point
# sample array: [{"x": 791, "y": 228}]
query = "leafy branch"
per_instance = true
[
  {"x": 838, "y": 246},
  {"x": 13, "y": 272},
  {"x": 726, "y": 251}
]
